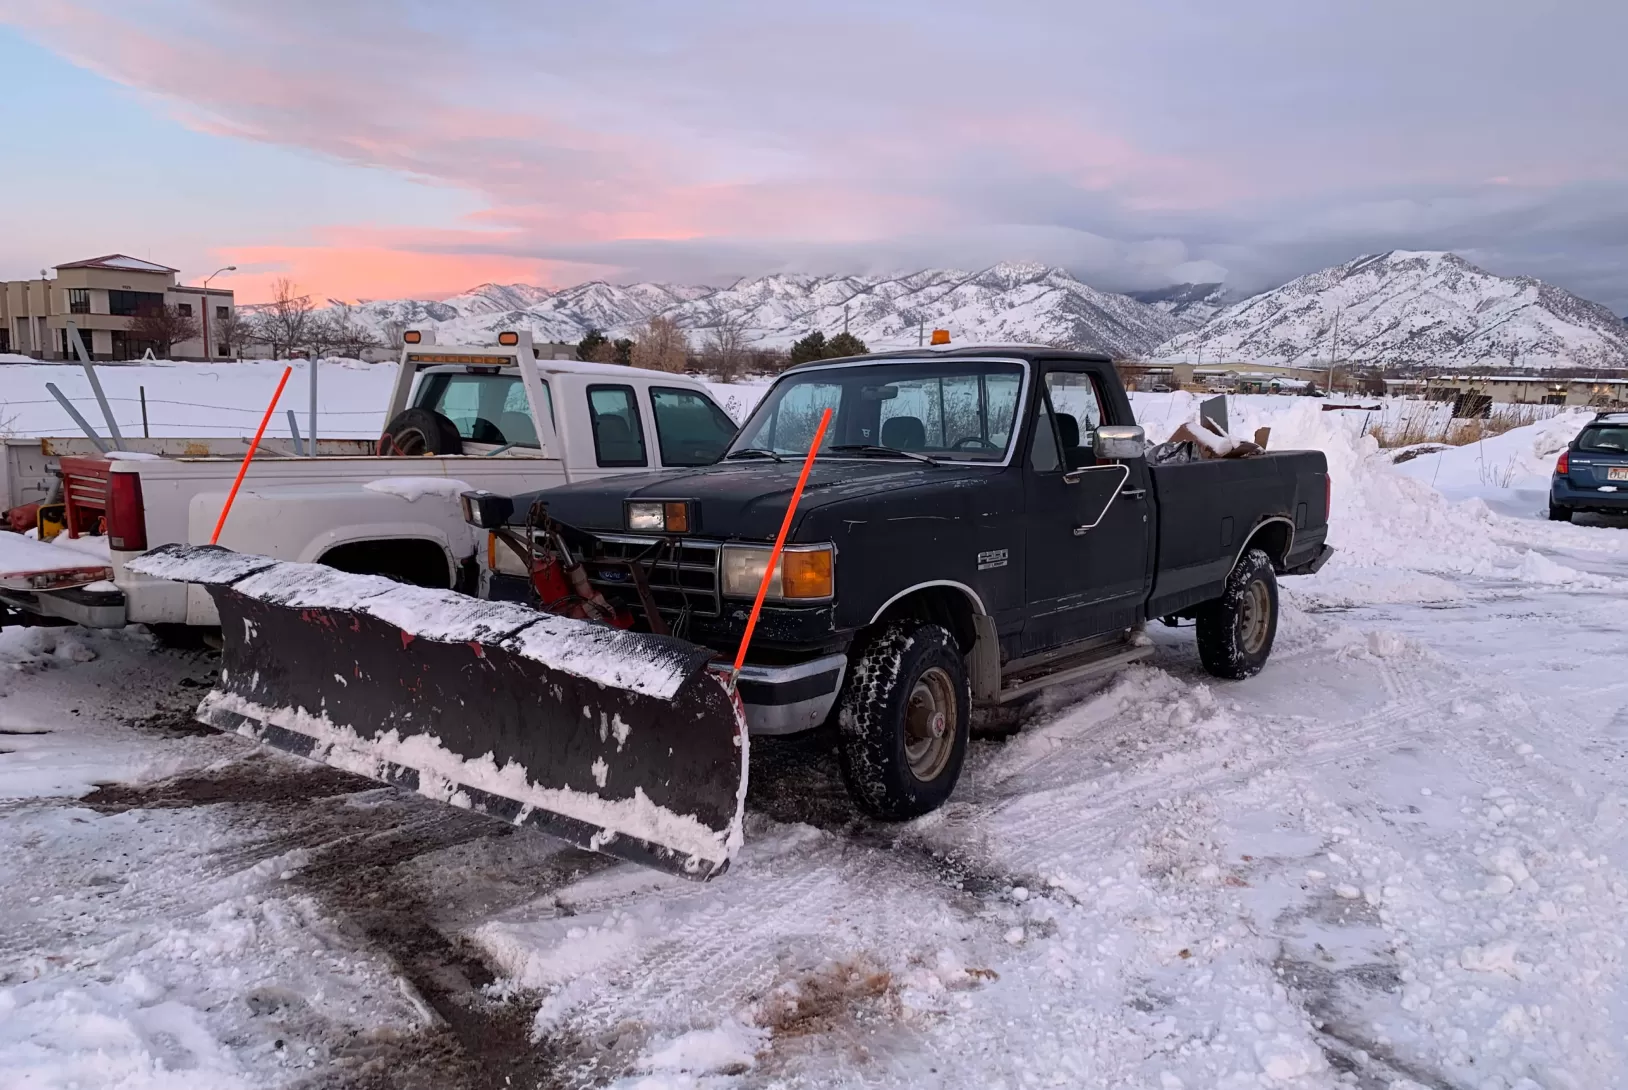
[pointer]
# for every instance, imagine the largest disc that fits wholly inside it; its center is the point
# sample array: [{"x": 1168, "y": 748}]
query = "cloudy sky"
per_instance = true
[{"x": 376, "y": 148}]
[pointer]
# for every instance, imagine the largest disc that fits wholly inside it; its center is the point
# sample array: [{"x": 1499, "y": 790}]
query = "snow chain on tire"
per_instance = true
[
  {"x": 904, "y": 660},
  {"x": 1234, "y": 637}
]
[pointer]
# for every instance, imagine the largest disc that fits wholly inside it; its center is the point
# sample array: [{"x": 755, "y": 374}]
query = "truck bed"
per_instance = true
[{"x": 1208, "y": 509}]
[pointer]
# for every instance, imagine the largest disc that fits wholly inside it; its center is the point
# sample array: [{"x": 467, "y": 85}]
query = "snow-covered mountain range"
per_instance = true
[
  {"x": 1398, "y": 308},
  {"x": 1194, "y": 304},
  {"x": 1005, "y": 304},
  {"x": 1411, "y": 307}
]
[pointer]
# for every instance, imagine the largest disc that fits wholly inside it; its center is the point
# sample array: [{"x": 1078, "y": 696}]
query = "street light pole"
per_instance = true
[{"x": 208, "y": 355}]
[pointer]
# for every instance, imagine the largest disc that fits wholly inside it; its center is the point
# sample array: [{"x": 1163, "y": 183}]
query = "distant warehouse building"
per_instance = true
[
  {"x": 102, "y": 297},
  {"x": 1600, "y": 393}
]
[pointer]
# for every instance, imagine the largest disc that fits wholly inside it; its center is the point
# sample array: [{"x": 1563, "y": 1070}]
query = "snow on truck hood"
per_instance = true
[{"x": 636, "y": 662}]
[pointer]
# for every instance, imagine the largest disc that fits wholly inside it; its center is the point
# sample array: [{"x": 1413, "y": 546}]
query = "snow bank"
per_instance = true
[
  {"x": 193, "y": 399},
  {"x": 1392, "y": 525}
]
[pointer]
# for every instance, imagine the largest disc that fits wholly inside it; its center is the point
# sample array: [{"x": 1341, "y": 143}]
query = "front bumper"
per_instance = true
[
  {"x": 791, "y": 699},
  {"x": 1563, "y": 494},
  {"x": 91, "y": 608}
]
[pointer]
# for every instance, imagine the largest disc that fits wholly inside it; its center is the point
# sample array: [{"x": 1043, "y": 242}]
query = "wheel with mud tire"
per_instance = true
[
  {"x": 903, "y": 720},
  {"x": 1559, "y": 514},
  {"x": 415, "y": 431},
  {"x": 1235, "y": 632}
]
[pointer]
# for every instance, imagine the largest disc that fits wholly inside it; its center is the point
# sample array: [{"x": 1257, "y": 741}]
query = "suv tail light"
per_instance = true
[
  {"x": 126, "y": 514},
  {"x": 1563, "y": 466}
]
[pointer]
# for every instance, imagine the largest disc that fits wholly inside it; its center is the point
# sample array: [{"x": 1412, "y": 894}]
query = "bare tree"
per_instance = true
[
  {"x": 724, "y": 352},
  {"x": 237, "y": 332},
  {"x": 283, "y": 321},
  {"x": 321, "y": 335},
  {"x": 163, "y": 327},
  {"x": 661, "y": 345},
  {"x": 349, "y": 336}
]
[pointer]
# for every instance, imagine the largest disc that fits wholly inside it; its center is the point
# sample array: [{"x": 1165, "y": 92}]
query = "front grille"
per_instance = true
[{"x": 681, "y": 574}]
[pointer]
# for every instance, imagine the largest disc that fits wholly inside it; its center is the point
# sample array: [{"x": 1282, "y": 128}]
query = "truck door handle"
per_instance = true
[{"x": 1134, "y": 493}]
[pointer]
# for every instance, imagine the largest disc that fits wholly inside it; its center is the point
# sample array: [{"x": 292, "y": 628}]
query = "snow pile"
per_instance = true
[
  {"x": 1395, "y": 532},
  {"x": 20, "y": 555},
  {"x": 413, "y": 489},
  {"x": 1521, "y": 460},
  {"x": 27, "y": 649}
]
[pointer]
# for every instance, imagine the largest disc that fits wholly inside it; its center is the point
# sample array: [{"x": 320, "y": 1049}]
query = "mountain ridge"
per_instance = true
[
  {"x": 1010, "y": 302},
  {"x": 1411, "y": 308}
]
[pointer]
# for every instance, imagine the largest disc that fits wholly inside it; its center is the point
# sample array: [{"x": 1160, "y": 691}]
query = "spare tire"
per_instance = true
[{"x": 416, "y": 432}]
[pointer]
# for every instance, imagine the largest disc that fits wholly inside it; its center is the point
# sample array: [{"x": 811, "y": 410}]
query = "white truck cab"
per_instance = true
[{"x": 458, "y": 418}]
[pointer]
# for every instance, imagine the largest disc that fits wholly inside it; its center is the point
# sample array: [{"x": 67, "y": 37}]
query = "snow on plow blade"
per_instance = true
[{"x": 618, "y": 742}]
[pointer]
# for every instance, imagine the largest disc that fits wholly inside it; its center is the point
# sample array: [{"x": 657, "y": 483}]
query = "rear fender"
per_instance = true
[{"x": 1273, "y": 535}]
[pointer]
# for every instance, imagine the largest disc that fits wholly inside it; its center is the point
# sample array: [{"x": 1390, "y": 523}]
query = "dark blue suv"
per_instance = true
[{"x": 1592, "y": 474}]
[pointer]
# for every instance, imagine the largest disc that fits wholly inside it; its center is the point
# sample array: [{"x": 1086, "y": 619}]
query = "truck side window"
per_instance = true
[
  {"x": 618, "y": 432},
  {"x": 1043, "y": 451},
  {"x": 1077, "y": 409},
  {"x": 690, "y": 429}
]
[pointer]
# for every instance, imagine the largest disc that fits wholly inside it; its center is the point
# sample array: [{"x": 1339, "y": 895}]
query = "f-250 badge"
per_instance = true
[{"x": 994, "y": 558}]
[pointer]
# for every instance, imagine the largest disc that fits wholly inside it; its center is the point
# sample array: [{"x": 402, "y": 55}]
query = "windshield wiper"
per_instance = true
[
  {"x": 873, "y": 448},
  {"x": 755, "y": 452}
]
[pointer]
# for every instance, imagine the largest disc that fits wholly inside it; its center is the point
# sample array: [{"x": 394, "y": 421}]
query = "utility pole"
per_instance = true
[
  {"x": 845, "y": 318},
  {"x": 1334, "y": 350},
  {"x": 208, "y": 355}
]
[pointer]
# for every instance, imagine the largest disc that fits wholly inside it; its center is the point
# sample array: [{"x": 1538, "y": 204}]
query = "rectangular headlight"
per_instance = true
[
  {"x": 658, "y": 516},
  {"x": 648, "y": 517},
  {"x": 805, "y": 572},
  {"x": 486, "y": 509}
]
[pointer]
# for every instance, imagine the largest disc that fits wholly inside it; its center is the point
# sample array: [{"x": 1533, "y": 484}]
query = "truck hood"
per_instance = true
[{"x": 747, "y": 500}]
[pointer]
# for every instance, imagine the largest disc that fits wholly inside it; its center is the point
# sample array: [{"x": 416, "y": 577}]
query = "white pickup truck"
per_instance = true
[{"x": 459, "y": 417}]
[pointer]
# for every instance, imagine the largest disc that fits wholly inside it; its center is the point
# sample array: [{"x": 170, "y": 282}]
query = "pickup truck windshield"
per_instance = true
[{"x": 951, "y": 410}]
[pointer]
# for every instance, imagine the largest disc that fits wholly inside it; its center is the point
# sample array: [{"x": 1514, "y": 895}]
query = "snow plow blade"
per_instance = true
[{"x": 619, "y": 742}]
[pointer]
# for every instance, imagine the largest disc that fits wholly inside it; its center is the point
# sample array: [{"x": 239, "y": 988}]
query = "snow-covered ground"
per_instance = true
[
  {"x": 226, "y": 399},
  {"x": 1398, "y": 858}
]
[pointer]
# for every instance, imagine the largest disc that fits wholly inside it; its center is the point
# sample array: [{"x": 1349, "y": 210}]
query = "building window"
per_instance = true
[
  {"x": 130, "y": 303},
  {"x": 222, "y": 350},
  {"x": 223, "y": 314},
  {"x": 78, "y": 300},
  {"x": 184, "y": 309}
]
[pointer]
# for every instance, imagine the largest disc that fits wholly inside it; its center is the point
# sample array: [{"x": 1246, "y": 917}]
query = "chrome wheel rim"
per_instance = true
[
  {"x": 1254, "y": 617},
  {"x": 929, "y": 724}
]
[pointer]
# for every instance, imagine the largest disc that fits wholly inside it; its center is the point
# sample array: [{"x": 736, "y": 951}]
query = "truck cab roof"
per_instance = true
[{"x": 1028, "y": 352}]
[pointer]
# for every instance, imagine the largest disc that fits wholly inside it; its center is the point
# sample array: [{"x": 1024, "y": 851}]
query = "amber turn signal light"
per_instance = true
[{"x": 806, "y": 574}]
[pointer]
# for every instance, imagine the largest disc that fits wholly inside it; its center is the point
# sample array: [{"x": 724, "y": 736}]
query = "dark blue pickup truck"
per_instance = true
[
  {"x": 1592, "y": 473},
  {"x": 980, "y": 524}
]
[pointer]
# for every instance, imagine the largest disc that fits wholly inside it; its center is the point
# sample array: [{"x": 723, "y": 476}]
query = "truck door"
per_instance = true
[{"x": 1088, "y": 524}]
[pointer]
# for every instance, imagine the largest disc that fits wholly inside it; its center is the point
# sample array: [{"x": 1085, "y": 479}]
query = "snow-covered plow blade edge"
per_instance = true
[{"x": 618, "y": 742}]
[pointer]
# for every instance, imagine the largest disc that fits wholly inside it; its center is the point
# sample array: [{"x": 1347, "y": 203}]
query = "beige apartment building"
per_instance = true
[{"x": 101, "y": 296}]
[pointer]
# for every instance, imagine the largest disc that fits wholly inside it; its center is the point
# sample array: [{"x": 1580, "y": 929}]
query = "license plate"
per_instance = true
[{"x": 1617, "y": 473}]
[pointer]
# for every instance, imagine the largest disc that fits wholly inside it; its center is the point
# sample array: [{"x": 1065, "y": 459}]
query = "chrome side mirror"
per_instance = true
[{"x": 1119, "y": 442}]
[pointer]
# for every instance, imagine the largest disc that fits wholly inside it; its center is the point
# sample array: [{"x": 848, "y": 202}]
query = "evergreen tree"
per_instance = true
[
  {"x": 844, "y": 344},
  {"x": 811, "y": 347},
  {"x": 623, "y": 347},
  {"x": 588, "y": 344}
]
